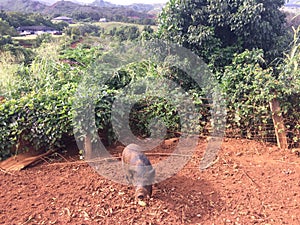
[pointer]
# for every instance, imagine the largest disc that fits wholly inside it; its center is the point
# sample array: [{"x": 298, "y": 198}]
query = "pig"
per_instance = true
[{"x": 138, "y": 171}]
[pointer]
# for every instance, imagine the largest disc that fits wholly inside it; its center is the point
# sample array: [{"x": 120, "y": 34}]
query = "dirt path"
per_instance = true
[{"x": 251, "y": 183}]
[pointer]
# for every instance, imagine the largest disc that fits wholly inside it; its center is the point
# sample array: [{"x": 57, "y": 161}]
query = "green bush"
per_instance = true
[
  {"x": 5, "y": 39},
  {"x": 289, "y": 90},
  {"x": 41, "y": 119},
  {"x": 38, "y": 102},
  {"x": 124, "y": 33},
  {"x": 248, "y": 89}
]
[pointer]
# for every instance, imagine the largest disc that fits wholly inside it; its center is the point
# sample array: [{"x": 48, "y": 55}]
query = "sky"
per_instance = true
[{"x": 127, "y": 2}]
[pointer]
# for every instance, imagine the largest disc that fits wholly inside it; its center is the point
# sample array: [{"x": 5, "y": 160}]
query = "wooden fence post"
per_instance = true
[
  {"x": 278, "y": 124},
  {"x": 88, "y": 147}
]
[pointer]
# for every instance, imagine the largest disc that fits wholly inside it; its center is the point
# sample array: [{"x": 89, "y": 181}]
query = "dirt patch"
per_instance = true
[{"x": 251, "y": 183}]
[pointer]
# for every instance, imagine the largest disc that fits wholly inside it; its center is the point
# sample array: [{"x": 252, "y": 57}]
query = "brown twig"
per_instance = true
[
  {"x": 102, "y": 159},
  {"x": 119, "y": 157},
  {"x": 250, "y": 178},
  {"x": 148, "y": 154},
  {"x": 60, "y": 155},
  {"x": 43, "y": 158},
  {"x": 293, "y": 163},
  {"x": 166, "y": 154},
  {"x": 4, "y": 171},
  {"x": 182, "y": 215}
]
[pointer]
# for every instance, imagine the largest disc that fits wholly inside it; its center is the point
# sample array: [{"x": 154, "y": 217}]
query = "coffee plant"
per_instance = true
[{"x": 248, "y": 89}]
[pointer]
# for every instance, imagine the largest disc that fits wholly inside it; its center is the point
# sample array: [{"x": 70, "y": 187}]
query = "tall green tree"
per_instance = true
[
  {"x": 216, "y": 29},
  {"x": 6, "y": 29}
]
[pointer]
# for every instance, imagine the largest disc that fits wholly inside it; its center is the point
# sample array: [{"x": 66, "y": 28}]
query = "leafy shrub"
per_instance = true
[
  {"x": 37, "y": 105},
  {"x": 248, "y": 89},
  {"x": 124, "y": 33},
  {"x": 83, "y": 30},
  {"x": 41, "y": 119},
  {"x": 289, "y": 90},
  {"x": 5, "y": 39},
  {"x": 21, "y": 54},
  {"x": 43, "y": 38}
]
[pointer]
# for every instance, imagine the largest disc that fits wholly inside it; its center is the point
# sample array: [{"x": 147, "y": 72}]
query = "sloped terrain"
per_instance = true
[{"x": 251, "y": 183}]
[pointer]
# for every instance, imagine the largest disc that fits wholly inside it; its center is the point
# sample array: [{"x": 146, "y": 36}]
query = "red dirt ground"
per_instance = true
[{"x": 251, "y": 183}]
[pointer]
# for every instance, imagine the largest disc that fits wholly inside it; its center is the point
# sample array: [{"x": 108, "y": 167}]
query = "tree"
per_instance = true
[
  {"x": 6, "y": 29},
  {"x": 61, "y": 25},
  {"x": 39, "y": 19},
  {"x": 17, "y": 19},
  {"x": 124, "y": 33},
  {"x": 216, "y": 29},
  {"x": 3, "y": 15}
]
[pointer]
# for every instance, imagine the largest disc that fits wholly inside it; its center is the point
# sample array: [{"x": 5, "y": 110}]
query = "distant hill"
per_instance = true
[
  {"x": 136, "y": 13},
  {"x": 146, "y": 7},
  {"x": 69, "y": 6},
  {"x": 48, "y": 2},
  {"x": 101, "y": 3},
  {"x": 51, "y": 2},
  {"x": 22, "y": 5},
  {"x": 62, "y": 7}
]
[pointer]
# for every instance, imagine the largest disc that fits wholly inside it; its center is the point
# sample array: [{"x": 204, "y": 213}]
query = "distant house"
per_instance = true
[
  {"x": 134, "y": 17},
  {"x": 62, "y": 19},
  {"x": 36, "y": 30},
  {"x": 103, "y": 20}
]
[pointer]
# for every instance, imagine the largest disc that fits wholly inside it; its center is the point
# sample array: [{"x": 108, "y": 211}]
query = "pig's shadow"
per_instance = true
[{"x": 191, "y": 199}]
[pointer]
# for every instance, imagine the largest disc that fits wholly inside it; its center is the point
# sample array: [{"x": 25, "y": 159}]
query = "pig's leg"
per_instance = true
[{"x": 129, "y": 176}]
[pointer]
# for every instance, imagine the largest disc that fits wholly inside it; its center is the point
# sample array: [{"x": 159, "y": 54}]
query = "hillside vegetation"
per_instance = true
[
  {"x": 40, "y": 108},
  {"x": 22, "y": 6},
  {"x": 139, "y": 13}
]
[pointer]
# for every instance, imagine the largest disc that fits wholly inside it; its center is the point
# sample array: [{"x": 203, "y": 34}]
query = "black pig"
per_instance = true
[{"x": 139, "y": 171}]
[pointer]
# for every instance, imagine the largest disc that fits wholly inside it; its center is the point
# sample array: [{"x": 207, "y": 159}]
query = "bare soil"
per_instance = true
[{"x": 251, "y": 183}]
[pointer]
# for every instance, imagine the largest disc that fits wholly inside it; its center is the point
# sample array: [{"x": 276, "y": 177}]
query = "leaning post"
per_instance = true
[{"x": 278, "y": 122}]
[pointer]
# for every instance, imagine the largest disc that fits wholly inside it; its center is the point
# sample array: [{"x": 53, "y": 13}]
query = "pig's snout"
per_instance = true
[
  {"x": 140, "y": 196},
  {"x": 141, "y": 193}
]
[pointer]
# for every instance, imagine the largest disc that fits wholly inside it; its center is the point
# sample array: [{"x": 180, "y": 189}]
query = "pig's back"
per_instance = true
[{"x": 133, "y": 155}]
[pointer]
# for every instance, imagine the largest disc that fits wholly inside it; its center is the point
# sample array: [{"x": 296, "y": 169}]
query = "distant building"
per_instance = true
[
  {"x": 26, "y": 30},
  {"x": 134, "y": 17},
  {"x": 62, "y": 19},
  {"x": 103, "y": 20}
]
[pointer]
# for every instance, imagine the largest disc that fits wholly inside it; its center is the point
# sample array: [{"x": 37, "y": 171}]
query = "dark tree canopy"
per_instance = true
[{"x": 215, "y": 29}]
